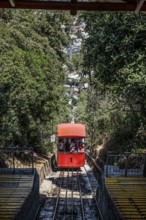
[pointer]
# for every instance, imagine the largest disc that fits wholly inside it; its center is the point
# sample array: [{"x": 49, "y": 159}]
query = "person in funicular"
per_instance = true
[
  {"x": 61, "y": 145},
  {"x": 73, "y": 146},
  {"x": 81, "y": 147}
]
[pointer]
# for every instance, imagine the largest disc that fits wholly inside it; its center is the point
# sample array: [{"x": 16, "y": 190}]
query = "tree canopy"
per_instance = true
[
  {"x": 32, "y": 75},
  {"x": 114, "y": 60}
]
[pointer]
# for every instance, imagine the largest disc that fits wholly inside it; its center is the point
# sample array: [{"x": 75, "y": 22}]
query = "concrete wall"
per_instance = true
[
  {"x": 106, "y": 205},
  {"x": 31, "y": 205},
  {"x": 45, "y": 170},
  {"x": 105, "y": 202}
]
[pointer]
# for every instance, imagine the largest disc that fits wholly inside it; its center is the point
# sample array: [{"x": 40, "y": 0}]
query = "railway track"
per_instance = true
[{"x": 73, "y": 197}]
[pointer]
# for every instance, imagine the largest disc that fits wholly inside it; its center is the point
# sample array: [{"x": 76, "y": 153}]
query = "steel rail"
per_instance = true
[
  {"x": 94, "y": 196},
  {"x": 72, "y": 213},
  {"x": 58, "y": 195},
  {"x": 81, "y": 199},
  {"x": 65, "y": 202}
]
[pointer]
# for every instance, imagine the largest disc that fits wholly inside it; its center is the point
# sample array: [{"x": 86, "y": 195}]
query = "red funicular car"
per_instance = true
[{"x": 70, "y": 153}]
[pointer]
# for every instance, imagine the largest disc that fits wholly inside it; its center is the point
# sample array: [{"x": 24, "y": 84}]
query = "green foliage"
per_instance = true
[
  {"x": 31, "y": 91},
  {"x": 114, "y": 60}
]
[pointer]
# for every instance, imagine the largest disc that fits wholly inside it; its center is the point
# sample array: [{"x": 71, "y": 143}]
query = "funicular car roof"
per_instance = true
[{"x": 71, "y": 130}]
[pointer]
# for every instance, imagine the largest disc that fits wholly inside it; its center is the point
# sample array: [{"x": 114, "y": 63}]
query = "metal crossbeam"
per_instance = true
[
  {"x": 73, "y": 6},
  {"x": 139, "y": 5},
  {"x": 12, "y": 2}
]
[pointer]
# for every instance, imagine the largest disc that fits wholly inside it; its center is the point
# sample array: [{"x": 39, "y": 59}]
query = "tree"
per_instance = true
[
  {"x": 32, "y": 76},
  {"x": 114, "y": 60}
]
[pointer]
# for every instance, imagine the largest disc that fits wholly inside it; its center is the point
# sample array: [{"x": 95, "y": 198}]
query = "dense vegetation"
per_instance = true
[
  {"x": 32, "y": 75},
  {"x": 114, "y": 61},
  {"x": 32, "y": 96}
]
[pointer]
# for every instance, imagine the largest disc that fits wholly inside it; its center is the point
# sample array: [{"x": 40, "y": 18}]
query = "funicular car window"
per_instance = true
[{"x": 72, "y": 145}]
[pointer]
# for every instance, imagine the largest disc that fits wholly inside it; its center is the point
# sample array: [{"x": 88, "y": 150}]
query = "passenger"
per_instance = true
[
  {"x": 61, "y": 145},
  {"x": 73, "y": 147},
  {"x": 81, "y": 148}
]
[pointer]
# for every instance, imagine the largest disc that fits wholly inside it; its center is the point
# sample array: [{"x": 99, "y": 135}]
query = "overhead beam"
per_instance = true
[
  {"x": 73, "y": 6},
  {"x": 73, "y": 12},
  {"x": 139, "y": 5},
  {"x": 12, "y": 2}
]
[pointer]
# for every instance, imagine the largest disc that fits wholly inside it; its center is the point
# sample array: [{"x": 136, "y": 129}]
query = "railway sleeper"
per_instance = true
[{"x": 68, "y": 211}]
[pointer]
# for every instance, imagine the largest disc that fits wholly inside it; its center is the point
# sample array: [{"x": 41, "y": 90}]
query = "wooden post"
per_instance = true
[
  {"x": 13, "y": 160},
  {"x": 107, "y": 166},
  {"x": 144, "y": 169},
  {"x": 126, "y": 166},
  {"x": 32, "y": 161}
]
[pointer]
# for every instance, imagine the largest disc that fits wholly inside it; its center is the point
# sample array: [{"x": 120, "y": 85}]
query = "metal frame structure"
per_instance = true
[
  {"x": 11, "y": 154},
  {"x": 126, "y": 164},
  {"x": 74, "y": 5}
]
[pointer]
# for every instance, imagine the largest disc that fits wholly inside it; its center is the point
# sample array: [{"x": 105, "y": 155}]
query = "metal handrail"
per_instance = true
[{"x": 97, "y": 206}]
